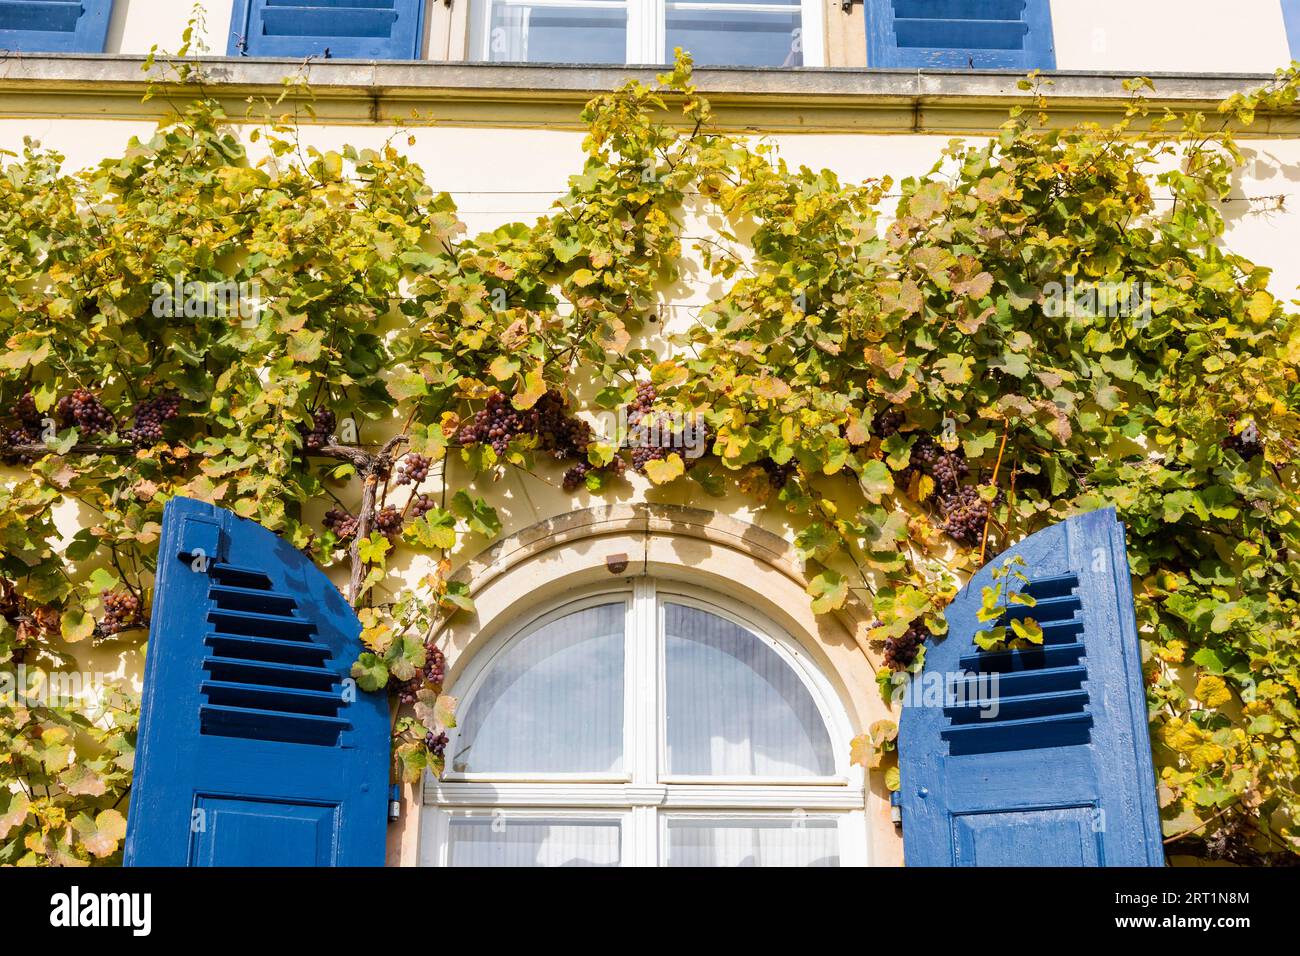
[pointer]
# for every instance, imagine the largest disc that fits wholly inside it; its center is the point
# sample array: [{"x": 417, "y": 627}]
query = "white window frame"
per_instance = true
[
  {"x": 641, "y": 796},
  {"x": 646, "y": 25}
]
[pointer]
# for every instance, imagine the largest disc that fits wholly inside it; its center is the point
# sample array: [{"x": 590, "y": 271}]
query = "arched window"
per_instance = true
[{"x": 646, "y": 726}]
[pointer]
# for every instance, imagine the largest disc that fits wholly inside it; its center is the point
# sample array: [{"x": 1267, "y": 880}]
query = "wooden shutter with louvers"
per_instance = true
[
  {"x": 1037, "y": 756},
  {"x": 960, "y": 34},
  {"x": 255, "y": 748},
  {"x": 336, "y": 29},
  {"x": 54, "y": 26}
]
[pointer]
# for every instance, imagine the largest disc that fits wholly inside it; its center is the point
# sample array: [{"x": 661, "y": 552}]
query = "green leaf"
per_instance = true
[
  {"x": 829, "y": 590},
  {"x": 370, "y": 672}
]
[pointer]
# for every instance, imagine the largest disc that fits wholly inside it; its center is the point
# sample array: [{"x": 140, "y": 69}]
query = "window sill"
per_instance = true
[{"x": 488, "y": 94}]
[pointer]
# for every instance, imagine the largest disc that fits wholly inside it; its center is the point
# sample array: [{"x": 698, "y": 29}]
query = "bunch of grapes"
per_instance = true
[
  {"x": 576, "y": 476},
  {"x": 431, "y": 676},
  {"x": 649, "y": 443},
  {"x": 947, "y": 468},
  {"x": 778, "y": 475},
  {"x": 1247, "y": 443},
  {"x": 889, "y": 422},
  {"x": 413, "y": 469},
  {"x": 901, "y": 651},
  {"x": 646, "y": 394},
  {"x": 965, "y": 514},
  {"x": 421, "y": 505},
  {"x": 121, "y": 611},
  {"x": 86, "y": 412},
  {"x": 437, "y": 743},
  {"x": 341, "y": 523},
  {"x": 388, "y": 521},
  {"x": 26, "y": 432},
  {"x": 149, "y": 419},
  {"x": 321, "y": 432},
  {"x": 494, "y": 424}
]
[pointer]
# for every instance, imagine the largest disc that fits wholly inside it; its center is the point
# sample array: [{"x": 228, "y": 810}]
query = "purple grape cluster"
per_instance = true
[
  {"x": 85, "y": 411},
  {"x": 900, "y": 652},
  {"x": 778, "y": 475},
  {"x": 388, "y": 521},
  {"x": 646, "y": 394},
  {"x": 414, "y": 468},
  {"x": 121, "y": 611},
  {"x": 965, "y": 514},
  {"x": 576, "y": 476},
  {"x": 150, "y": 417},
  {"x": 343, "y": 524},
  {"x": 321, "y": 432},
  {"x": 668, "y": 441},
  {"x": 436, "y": 743},
  {"x": 421, "y": 505},
  {"x": 27, "y": 431},
  {"x": 889, "y": 421},
  {"x": 549, "y": 421},
  {"x": 947, "y": 468},
  {"x": 430, "y": 676}
]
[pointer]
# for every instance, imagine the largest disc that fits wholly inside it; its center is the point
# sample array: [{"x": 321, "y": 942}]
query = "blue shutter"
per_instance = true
[
  {"x": 54, "y": 26},
  {"x": 1061, "y": 775},
  {"x": 339, "y": 29},
  {"x": 255, "y": 747},
  {"x": 961, "y": 34},
  {"x": 1291, "y": 17}
]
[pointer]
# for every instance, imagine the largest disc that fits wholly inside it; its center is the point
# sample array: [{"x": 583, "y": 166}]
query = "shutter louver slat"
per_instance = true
[
  {"x": 338, "y": 29},
  {"x": 54, "y": 26}
]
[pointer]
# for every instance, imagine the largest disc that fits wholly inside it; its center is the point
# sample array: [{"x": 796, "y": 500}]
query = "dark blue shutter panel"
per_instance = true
[
  {"x": 54, "y": 26},
  {"x": 255, "y": 746},
  {"x": 1061, "y": 775},
  {"x": 339, "y": 29},
  {"x": 961, "y": 34}
]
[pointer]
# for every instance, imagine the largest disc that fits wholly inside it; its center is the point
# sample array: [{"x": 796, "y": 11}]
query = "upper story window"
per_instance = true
[
  {"x": 650, "y": 726},
  {"x": 54, "y": 26},
  {"x": 344, "y": 29},
  {"x": 960, "y": 34},
  {"x": 769, "y": 33}
]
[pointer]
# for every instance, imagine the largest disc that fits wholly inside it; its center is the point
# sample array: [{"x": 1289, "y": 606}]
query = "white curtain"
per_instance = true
[
  {"x": 797, "y": 842},
  {"x": 509, "y": 33},
  {"x": 553, "y": 703},
  {"x": 517, "y": 841},
  {"x": 734, "y": 706}
]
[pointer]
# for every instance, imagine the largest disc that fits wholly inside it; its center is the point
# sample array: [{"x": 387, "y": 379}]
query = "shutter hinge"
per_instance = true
[
  {"x": 847, "y": 5},
  {"x": 394, "y": 802},
  {"x": 896, "y": 809}
]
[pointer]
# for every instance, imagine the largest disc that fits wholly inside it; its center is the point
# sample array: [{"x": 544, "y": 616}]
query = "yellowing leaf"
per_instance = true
[
  {"x": 663, "y": 470},
  {"x": 1212, "y": 691}
]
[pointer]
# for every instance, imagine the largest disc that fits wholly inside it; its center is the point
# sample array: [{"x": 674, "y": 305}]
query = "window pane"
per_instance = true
[
  {"x": 519, "y": 841},
  {"x": 720, "y": 37},
  {"x": 799, "y": 841},
  {"x": 521, "y": 33},
  {"x": 734, "y": 706},
  {"x": 553, "y": 703}
]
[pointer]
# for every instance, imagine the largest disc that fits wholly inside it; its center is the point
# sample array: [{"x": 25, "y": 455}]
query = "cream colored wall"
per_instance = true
[
  {"x": 1153, "y": 36},
  {"x": 1146, "y": 36}
]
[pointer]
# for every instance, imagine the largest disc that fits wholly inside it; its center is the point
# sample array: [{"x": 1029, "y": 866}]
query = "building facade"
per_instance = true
[{"x": 718, "y": 709}]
